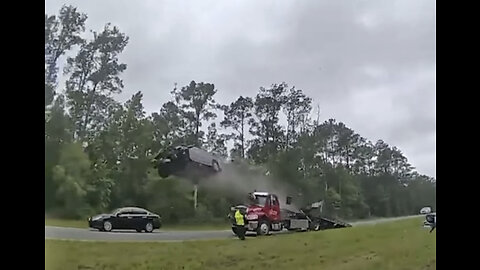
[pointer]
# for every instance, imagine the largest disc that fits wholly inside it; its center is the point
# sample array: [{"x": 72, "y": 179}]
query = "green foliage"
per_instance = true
[
  {"x": 215, "y": 143},
  {"x": 72, "y": 178},
  {"x": 196, "y": 99},
  {"x": 297, "y": 107},
  {"x": 62, "y": 33},
  {"x": 269, "y": 134},
  {"x": 237, "y": 116},
  {"x": 93, "y": 77},
  {"x": 170, "y": 197}
]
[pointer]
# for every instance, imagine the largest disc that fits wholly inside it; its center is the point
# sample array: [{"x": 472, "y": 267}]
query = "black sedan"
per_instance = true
[{"x": 127, "y": 218}]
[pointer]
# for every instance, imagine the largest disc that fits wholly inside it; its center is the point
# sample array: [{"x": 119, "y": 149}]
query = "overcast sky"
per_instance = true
[{"x": 369, "y": 64}]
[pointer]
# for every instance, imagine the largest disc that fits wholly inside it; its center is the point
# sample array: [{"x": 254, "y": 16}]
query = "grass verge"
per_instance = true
[
  {"x": 386, "y": 246},
  {"x": 180, "y": 227}
]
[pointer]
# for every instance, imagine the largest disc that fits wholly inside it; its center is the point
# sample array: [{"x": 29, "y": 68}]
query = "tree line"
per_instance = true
[{"x": 98, "y": 151}]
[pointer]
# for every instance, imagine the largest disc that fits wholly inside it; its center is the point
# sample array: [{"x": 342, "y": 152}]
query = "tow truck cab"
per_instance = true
[{"x": 263, "y": 213}]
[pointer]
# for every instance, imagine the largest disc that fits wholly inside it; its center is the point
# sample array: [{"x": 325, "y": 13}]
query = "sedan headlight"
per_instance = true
[{"x": 252, "y": 216}]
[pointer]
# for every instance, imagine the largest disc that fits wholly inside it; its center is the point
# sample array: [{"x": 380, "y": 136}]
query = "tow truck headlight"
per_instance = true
[{"x": 252, "y": 216}]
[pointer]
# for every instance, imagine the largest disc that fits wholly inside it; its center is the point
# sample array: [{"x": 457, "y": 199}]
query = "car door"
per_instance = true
[
  {"x": 270, "y": 209},
  {"x": 274, "y": 210},
  {"x": 124, "y": 220},
  {"x": 117, "y": 219},
  {"x": 200, "y": 156},
  {"x": 139, "y": 219}
]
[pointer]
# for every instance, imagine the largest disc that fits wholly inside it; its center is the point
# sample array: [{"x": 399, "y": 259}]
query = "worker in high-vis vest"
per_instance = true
[{"x": 240, "y": 224}]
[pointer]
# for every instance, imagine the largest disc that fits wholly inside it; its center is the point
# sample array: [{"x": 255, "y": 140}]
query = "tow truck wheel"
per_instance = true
[{"x": 263, "y": 228}]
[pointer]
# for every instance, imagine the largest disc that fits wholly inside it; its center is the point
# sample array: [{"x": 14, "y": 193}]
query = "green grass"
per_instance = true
[
  {"x": 66, "y": 223},
  {"x": 387, "y": 246},
  {"x": 180, "y": 227}
]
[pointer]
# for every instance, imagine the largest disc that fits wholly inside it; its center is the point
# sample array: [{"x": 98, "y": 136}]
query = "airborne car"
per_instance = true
[
  {"x": 186, "y": 161},
  {"x": 127, "y": 218}
]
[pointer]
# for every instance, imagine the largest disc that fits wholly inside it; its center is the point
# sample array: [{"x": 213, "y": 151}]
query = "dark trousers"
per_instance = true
[{"x": 240, "y": 231}]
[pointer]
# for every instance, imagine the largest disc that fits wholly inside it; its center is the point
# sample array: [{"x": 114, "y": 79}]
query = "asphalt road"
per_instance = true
[{"x": 160, "y": 235}]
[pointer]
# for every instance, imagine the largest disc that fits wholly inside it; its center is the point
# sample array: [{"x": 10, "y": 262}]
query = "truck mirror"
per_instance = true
[{"x": 289, "y": 200}]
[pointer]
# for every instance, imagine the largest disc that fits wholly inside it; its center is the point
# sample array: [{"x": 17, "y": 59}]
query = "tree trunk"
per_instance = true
[
  {"x": 242, "y": 137},
  {"x": 197, "y": 126},
  {"x": 87, "y": 113},
  {"x": 288, "y": 129},
  {"x": 195, "y": 196},
  {"x": 348, "y": 158}
]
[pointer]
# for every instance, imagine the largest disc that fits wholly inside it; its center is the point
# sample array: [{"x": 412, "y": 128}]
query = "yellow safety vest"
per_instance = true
[{"x": 239, "y": 218}]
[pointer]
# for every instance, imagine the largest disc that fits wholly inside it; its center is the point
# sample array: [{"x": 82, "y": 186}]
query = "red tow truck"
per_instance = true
[{"x": 263, "y": 214}]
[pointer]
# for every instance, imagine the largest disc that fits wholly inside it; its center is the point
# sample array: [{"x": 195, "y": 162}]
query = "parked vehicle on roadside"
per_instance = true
[{"x": 126, "y": 218}]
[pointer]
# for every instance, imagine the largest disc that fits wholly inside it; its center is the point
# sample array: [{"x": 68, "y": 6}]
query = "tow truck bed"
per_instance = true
[{"x": 326, "y": 223}]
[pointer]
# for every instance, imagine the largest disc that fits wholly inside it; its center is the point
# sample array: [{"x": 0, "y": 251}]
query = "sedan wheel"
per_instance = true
[
  {"x": 107, "y": 226},
  {"x": 149, "y": 227}
]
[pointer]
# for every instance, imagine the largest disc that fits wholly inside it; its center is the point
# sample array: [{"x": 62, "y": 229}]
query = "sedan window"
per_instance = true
[
  {"x": 139, "y": 212},
  {"x": 116, "y": 211}
]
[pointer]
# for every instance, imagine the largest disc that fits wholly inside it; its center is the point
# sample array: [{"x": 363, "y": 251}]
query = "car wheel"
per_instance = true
[
  {"x": 163, "y": 173},
  {"x": 263, "y": 228},
  {"x": 107, "y": 226},
  {"x": 149, "y": 227},
  {"x": 215, "y": 166},
  {"x": 164, "y": 170}
]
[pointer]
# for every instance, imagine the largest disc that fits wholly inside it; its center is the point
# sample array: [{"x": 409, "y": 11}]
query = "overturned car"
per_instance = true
[{"x": 186, "y": 161}]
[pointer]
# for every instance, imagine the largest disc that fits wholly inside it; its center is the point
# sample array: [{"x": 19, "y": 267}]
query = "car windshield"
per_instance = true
[
  {"x": 114, "y": 212},
  {"x": 259, "y": 200}
]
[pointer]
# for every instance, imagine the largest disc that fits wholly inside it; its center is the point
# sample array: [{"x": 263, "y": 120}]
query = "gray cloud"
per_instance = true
[{"x": 369, "y": 64}]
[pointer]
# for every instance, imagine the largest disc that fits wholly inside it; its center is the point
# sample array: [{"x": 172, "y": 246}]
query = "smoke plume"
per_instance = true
[{"x": 239, "y": 178}]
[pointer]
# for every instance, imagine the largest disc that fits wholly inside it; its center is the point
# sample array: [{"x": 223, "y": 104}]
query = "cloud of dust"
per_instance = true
[{"x": 239, "y": 179}]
